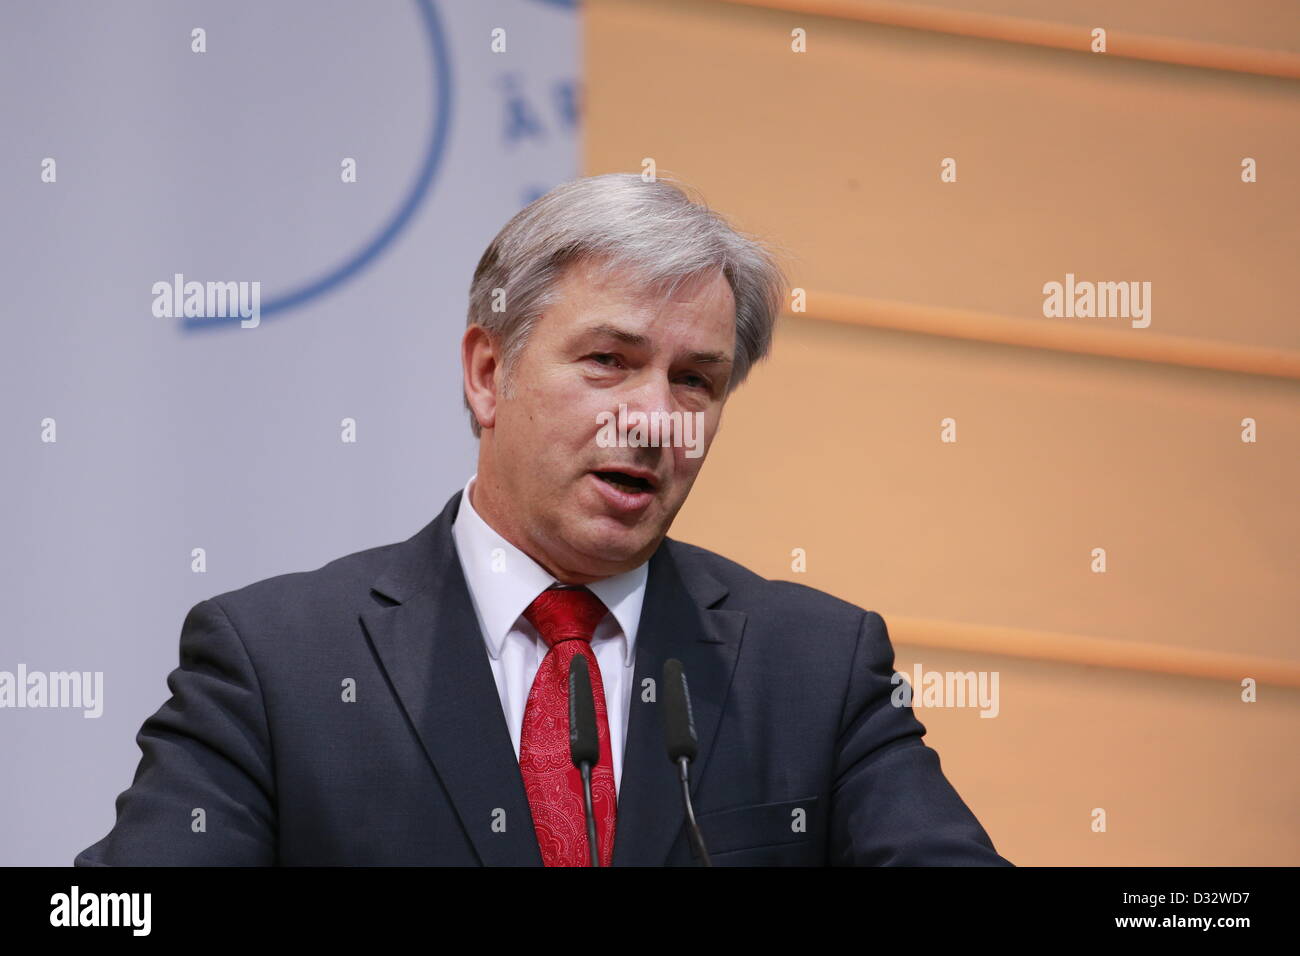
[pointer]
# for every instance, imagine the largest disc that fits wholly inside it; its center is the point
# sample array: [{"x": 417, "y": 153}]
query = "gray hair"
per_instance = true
[{"x": 654, "y": 230}]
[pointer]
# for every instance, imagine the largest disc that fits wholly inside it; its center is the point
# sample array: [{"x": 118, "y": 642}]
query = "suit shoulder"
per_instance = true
[
  {"x": 340, "y": 582},
  {"x": 749, "y": 589}
]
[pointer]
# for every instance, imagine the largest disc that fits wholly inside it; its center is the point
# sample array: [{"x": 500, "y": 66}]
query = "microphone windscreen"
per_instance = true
[
  {"x": 584, "y": 743},
  {"x": 679, "y": 723}
]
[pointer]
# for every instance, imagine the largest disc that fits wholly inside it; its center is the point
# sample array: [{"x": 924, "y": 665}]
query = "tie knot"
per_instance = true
[{"x": 565, "y": 614}]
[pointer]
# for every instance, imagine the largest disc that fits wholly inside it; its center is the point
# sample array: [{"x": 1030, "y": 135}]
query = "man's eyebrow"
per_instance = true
[
  {"x": 613, "y": 331},
  {"x": 709, "y": 358},
  {"x": 635, "y": 338}
]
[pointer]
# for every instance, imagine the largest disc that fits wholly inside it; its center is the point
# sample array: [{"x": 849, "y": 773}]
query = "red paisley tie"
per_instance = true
[{"x": 566, "y": 618}]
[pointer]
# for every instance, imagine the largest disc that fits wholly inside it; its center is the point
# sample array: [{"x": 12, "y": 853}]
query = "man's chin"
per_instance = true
[{"x": 610, "y": 548}]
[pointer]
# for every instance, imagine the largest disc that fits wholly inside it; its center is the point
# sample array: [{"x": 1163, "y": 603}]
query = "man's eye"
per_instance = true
[
  {"x": 602, "y": 356},
  {"x": 697, "y": 381}
]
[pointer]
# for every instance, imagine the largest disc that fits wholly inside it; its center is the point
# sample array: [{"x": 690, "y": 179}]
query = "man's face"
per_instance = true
[{"x": 544, "y": 481}]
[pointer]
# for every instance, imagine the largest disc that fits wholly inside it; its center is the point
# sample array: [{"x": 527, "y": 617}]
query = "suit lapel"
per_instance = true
[
  {"x": 431, "y": 648},
  {"x": 676, "y": 621}
]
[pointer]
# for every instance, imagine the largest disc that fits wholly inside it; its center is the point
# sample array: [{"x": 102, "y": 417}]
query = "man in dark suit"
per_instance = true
[{"x": 407, "y": 704}]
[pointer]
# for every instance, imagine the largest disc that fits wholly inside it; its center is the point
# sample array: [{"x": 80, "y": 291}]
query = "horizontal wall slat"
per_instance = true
[
  {"x": 1091, "y": 651},
  {"x": 1139, "y": 344},
  {"x": 1179, "y": 51}
]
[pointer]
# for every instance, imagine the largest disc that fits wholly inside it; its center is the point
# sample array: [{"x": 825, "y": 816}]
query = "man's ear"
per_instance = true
[{"x": 480, "y": 362}]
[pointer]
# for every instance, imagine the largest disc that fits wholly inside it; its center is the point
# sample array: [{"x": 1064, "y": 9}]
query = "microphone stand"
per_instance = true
[
  {"x": 692, "y": 828},
  {"x": 585, "y": 769}
]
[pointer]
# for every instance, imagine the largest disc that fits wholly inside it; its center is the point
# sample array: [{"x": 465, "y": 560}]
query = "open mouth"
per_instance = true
[{"x": 630, "y": 484}]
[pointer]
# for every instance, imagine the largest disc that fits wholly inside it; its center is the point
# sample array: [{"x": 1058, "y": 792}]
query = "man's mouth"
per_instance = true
[{"x": 630, "y": 484}]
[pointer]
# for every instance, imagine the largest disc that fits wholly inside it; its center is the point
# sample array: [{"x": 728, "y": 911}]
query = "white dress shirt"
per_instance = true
[{"x": 503, "y": 581}]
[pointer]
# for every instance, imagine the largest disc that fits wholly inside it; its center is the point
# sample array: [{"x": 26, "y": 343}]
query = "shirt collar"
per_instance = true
[{"x": 503, "y": 581}]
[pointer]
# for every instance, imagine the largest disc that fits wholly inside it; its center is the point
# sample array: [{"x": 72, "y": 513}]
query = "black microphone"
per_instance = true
[
  {"x": 584, "y": 742},
  {"x": 679, "y": 734}
]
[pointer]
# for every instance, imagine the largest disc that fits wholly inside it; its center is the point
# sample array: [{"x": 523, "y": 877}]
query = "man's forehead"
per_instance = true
[
  {"x": 592, "y": 307},
  {"x": 627, "y": 305},
  {"x": 611, "y": 280}
]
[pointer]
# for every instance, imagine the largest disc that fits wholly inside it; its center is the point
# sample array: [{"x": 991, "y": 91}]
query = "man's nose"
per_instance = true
[
  {"x": 650, "y": 392},
  {"x": 651, "y": 395}
]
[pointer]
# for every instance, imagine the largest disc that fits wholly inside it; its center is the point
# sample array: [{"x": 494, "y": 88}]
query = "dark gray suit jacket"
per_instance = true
[{"x": 803, "y": 760}]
